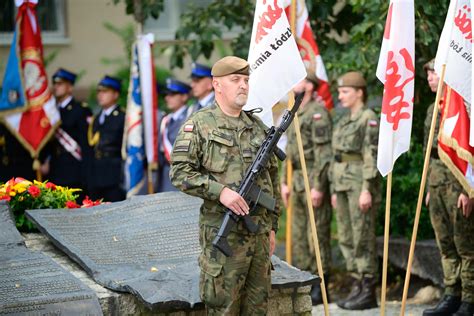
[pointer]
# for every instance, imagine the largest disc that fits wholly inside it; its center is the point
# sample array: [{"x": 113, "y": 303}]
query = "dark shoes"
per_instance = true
[
  {"x": 362, "y": 295},
  {"x": 317, "y": 295},
  {"x": 446, "y": 307},
  {"x": 466, "y": 309}
]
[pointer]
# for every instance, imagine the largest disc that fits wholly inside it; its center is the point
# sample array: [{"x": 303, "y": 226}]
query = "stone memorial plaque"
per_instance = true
[
  {"x": 33, "y": 284},
  {"x": 9, "y": 235},
  {"x": 147, "y": 245}
]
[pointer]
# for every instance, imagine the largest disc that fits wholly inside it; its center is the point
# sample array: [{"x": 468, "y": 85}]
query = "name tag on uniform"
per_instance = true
[{"x": 317, "y": 116}]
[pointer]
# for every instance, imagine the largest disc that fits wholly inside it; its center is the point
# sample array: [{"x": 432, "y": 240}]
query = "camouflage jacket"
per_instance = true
[
  {"x": 213, "y": 151},
  {"x": 438, "y": 172},
  {"x": 356, "y": 137},
  {"x": 316, "y": 129}
]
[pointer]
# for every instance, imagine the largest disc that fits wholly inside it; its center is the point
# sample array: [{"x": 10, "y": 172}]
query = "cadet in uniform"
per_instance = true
[
  {"x": 176, "y": 96},
  {"x": 316, "y": 129},
  {"x": 356, "y": 184},
  {"x": 214, "y": 148},
  {"x": 201, "y": 85},
  {"x": 69, "y": 148},
  {"x": 454, "y": 232},
  {"x": 105, "y": 135}
]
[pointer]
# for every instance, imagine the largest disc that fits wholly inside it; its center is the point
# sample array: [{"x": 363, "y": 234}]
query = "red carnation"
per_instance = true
[
  {"x": 34, "y": 191},
  {"x": 5, "y": 197},
  {"x": 50, "y": 185},
  {"x": 71, "y": 204}
]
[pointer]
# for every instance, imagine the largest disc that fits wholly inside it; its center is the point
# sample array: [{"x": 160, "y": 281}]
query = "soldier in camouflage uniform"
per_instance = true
[
  {"x": 213, "y": 149},
  {"x": 454, "y": 232},
  {"x": 316, "y": 128},
  {"x": 356, "y": 186}
]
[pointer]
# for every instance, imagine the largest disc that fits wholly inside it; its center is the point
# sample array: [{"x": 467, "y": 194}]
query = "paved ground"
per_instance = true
[{"x": 392, "y": 309}]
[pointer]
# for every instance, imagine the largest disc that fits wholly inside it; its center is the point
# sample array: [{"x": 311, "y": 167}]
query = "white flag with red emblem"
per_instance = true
[
  {"x": 455, "y": 51},
  {"x": 309, "y": 49},
  {"x": 275, "y": 63},
  {"x": 397, "y": 72}
]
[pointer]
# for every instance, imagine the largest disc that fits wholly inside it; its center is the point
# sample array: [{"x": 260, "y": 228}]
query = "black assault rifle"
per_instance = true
[{"x": 249, "y": 189}]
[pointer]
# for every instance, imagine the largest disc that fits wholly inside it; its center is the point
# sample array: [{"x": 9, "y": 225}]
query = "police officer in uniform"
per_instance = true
[
  {"x": 452, "y": 223},
  {"x": 356, "y": 185},
  {"x": 201, "y": 85},
  {"x": 316, "y": 131},
  {"x": 105, "y": 134},
  {"x": 69, "y": 148},
  {"x": 213, "y": 149},
  {"x": 176, "y": 95}
]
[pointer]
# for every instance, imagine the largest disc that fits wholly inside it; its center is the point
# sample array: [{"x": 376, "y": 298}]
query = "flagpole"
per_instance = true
[
  {"x": 388, "y": 201},
  {"x": 309, "y": 203},
  {"x": 422, "y": 188},
  {"x": 289, "y": 166}
]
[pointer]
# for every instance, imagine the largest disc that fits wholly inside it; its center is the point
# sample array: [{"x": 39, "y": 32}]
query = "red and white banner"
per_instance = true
[
  {"x": 309, "y": 49},
  {"x": 396, "y": 71},
  {"x": 36, "y": 125},
  {"x": 455, "y": 51},
  {"x": 453, "y": 139},
  {"x": 275, "y": 63}
]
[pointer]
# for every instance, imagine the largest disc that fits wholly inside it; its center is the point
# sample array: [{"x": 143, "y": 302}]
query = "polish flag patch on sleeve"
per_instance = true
[
  {"x": 373, "y": 123},
  {"x": 188, "y": 127},
  {"x": 317, "y": 116}
]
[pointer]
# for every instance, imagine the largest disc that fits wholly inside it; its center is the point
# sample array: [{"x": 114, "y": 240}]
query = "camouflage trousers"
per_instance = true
[
  {"x": 303, "y": 255},
  {"x": 236, "y": 285},
  {"x": 356, "y": 232},
  {"x": 455, "y": 239}
]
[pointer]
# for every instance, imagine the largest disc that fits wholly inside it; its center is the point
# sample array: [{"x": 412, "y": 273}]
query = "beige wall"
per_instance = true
[{"x": 89, "y": 41}]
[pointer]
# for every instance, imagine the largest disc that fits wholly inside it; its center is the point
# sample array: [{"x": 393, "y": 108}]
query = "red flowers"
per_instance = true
[
  {"x": 50, "y": 185},
  {"x": 34, "y": 191},
  {"x": 89, "y": 203},
  {"x": 72, "y": 204}
]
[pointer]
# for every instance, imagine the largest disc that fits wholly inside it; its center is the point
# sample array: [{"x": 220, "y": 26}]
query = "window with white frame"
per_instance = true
[{"x": 51, "y": 18}]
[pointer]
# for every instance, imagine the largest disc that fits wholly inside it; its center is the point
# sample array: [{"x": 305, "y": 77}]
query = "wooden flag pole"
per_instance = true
[
  {"x": 309, "y": 203},
  {"x": 422, "y": 188},
  {"x": 388, "y": 201},
  {"x": 289, "y": 166}
]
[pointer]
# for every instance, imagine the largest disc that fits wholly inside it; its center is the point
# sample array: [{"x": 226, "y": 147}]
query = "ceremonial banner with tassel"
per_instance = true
[{"x": 29, "y": 85}]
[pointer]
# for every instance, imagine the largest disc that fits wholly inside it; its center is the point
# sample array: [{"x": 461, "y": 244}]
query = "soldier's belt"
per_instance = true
[{"x": 345, "y": 157}]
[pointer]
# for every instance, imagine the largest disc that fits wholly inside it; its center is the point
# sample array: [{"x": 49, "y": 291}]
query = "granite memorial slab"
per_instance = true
[
  {"x": 146, "y": 245},
  {"x": 33, "y": 284},
  {"x": 9, "y": 235}
]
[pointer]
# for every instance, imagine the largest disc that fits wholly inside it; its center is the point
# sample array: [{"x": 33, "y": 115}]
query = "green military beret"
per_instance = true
[
  {"x": 230, "y": 65},
  {"x": 429, "y": 65},
  {"x": 352, "y": 79}
]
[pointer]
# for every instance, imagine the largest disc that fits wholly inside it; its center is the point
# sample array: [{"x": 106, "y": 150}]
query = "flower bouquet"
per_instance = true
[{"x": 24, "y": 195}]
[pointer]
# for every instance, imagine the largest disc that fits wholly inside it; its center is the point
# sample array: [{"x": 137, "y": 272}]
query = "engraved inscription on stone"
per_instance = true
[
  {"x": 9, "y": 235},
  {"x": 33, "y": 284}
]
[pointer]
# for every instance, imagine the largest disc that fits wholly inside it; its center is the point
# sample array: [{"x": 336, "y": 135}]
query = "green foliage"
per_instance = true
[
  {"x": 405, "y": 188},
  {"x": 142, "y": 9},
  {"x": 201, "y": 27}
]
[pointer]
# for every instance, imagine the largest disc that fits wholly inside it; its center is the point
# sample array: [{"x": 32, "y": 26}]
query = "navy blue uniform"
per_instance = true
[{"x": 15, "y": 160}]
